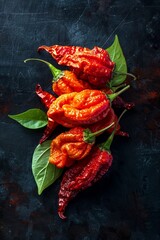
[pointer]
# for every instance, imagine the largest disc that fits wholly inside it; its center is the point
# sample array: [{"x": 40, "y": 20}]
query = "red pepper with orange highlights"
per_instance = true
[
  {"x": 73, "y": 145},
  {"x": 83, "y": 108},
  {"x": 47, "y": 99},
  {"x": 85, "y": 173},
  {"x": 94, "y": 66},
  {"x": 64, "y": 81}
]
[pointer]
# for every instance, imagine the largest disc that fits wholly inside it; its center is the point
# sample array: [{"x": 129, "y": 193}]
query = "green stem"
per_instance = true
[
  {"x": 128, "y": 74},
  {"x": 114, "y": 89},
  {"x": 114, "y": 95},
  {"x": 56, "y": 73},
  {"x": 102, "y": 130},
  {"x": 90, "y": 136},
  {"x": 106, "y": 145}
]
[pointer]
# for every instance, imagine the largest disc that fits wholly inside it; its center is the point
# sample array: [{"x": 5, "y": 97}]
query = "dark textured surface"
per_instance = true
[{"x": 126, "y": 203}]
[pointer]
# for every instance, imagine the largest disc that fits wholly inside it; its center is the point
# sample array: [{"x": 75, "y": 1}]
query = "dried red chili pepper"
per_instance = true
[
  {"x": 63, "y": 81},
  {"x": 47, "y": 100},
  {"x": 85, "y": 173},
  {"x": 73, "y": 145},
  {"x": 93, "y": 65},
  {"x": 118, "y": 101},
  {"x": 85, "y": 107},
  {"x": 48, "y": 130}
]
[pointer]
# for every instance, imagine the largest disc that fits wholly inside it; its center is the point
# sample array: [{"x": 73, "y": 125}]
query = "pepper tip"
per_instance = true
[
  {"x": 43, "y": 47},
  {"x": 61, "y": 215}
]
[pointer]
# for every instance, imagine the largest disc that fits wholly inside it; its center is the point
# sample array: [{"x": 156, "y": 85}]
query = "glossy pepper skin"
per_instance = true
[
  {"x": 85, "y": 173},
  {"x": 63, "y": 81},
  {"x": 68, "y": 147},
  {"x": 73, "y": 145},
  {"x": 83, "y": 108},
  {"x": 82, "y": 175},
  {"x": 92, "y": 65},
  {"x": 47, "y": 99},
  {"x": 68, "y": 83}
]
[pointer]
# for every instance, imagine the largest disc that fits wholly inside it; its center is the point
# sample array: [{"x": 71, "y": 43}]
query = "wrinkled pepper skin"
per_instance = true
[
  {"x": 85, "y": 107},
  {"x": 86, "y": 172},
  {"x": 93, "y": 65},
  {"x": 68, "y": 147},
  {"x": 68, "y": 83},
  {"x": 82, "y": 175}
]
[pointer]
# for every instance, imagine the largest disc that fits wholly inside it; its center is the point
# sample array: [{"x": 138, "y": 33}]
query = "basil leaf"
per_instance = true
[
  {"x": 44, "y": 172},
  {"x": 33, "y": 118},
  {"x": 116, "y": 55}
]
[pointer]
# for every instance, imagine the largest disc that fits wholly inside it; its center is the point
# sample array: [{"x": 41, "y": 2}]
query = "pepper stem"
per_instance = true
[
  {"x": 89, "y": 136},
  {"x": 114, "y": 95},
  {"x": 114, "y": 89},
  {"x": 128, "y": 74},
  {"x": 106, "y": 145},
  {"x": 56, "y": 73}
]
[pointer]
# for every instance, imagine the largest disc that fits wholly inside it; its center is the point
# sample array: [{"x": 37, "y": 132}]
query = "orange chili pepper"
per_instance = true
[
  {"x": 85, "y": 107},
  {"x": 73, "y": 145},
  {"x": 64, "y": 81}
]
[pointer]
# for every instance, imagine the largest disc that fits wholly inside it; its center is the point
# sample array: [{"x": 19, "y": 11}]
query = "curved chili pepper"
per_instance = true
[
  {"x": 98, "y": 163},
  {"x": 47, "y": 99},
  {"x": 93, "y": 65},
  {"x": 85, "y": 173},
  {"x": 85, "y": 107},
  {"x": 72, "y": 145},
  {"x": 48, "y": 130},
  {"x": 64, "y": 81}
]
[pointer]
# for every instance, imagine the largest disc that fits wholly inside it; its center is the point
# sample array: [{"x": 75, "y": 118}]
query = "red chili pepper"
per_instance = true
[
  {"x": 85, "y": 107},
  {"x": 45, "y": 97},
  {"x": 48, "y": 130},
  {"x": 73, "y": 145},
  {"x": 64, "y": 81},
  {"x": 47, "y": 100},
  {"x": 85, "y": 173},
  {"x": 93, "y": 65},
  {"x": 94, "y": 166}
]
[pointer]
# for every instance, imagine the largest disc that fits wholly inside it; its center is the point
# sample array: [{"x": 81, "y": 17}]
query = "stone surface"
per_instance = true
[{"x": 125, "y": 203}]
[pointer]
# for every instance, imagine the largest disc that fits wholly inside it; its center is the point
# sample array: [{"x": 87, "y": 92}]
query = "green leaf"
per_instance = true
[
  {"x": 33, "y": 118},
  {"x": 44, "y": 172},
  {"x": 116, "y": 55}
]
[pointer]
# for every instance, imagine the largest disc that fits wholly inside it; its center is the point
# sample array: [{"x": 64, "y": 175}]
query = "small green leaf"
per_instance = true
[
  {"x": 116, "y": 55},
  {"x": 44, "y": 172},
  {"x": 33, "y": 118}
]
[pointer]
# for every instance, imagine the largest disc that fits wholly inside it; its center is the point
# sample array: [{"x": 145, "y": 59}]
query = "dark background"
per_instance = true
[{"x": 125, "y": 204}]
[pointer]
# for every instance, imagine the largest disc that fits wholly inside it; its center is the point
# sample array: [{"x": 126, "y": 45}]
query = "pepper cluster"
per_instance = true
[
  {"x": 84, "y": 103},
  {"x": 84, "y": 100}
]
